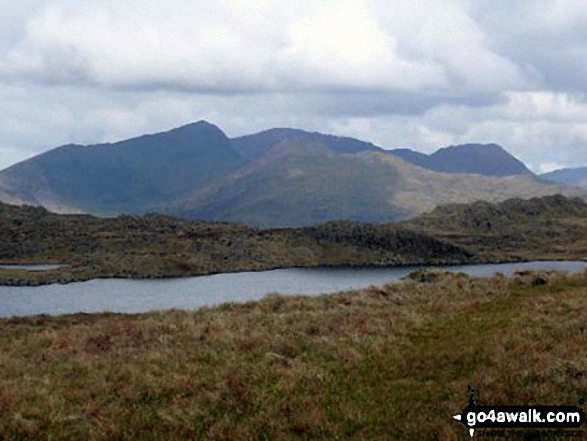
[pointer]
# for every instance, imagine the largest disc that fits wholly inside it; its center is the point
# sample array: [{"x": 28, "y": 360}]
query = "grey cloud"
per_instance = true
[
  {"x": 549, "y": 44},
  {"x": 57, "y": 87},
  {"x": 392, "y": 102}
]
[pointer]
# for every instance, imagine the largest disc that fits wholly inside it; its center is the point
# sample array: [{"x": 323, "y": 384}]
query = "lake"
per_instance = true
[{"x": 134, "y": 296}]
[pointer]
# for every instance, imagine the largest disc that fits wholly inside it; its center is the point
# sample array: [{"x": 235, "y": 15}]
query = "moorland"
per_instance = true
[
  {"x": 391, "y": 362},
  {"x": 155, "y": 246}
]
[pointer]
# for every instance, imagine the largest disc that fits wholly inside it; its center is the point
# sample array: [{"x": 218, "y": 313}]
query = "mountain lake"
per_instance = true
[{"x": 136, "y": 296}]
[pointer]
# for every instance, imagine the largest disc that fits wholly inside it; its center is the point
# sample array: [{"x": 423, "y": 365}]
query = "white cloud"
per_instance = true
[
  {"x": 224, "y": 46},
  {"x": 340, "y": 44},
  {"x": 399, "y": 73}
]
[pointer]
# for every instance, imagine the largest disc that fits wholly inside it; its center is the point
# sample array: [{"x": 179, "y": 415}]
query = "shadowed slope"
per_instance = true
[{"x": 124, "y": 176}]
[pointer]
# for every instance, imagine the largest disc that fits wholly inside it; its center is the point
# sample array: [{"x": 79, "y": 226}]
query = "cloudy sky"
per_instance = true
[{"x": 420, "y": 74}]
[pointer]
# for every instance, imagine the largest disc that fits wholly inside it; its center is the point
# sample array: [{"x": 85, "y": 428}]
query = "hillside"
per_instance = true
[
  {"x": 570, "y": 176},
  {"x": 302, "y": 183},
  {"x": 258, "y": 144},
  {"x": 484, "y": 159},
  {"x": 552, "y": 227},
  {"x": 159, "y": 246},
  {"x": 348, "y": 366}
]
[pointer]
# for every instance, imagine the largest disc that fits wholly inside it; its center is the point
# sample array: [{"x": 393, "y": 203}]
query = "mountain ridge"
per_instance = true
[
  {"x": 278, "y": 177},
  {"x": 118, "y": 177},
  {"x": 486, "y": 159},
  {"x": 302, "y": 183}
]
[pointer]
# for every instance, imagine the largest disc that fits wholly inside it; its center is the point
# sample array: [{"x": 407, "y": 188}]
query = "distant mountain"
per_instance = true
[
  {"x": 124, "y": 176},
  {"x": 256, "y": 145},
  {"x": 280, "y": 177},
  {"x": 571, "y": 176},
  {"x": 483, "y": 159},
  {"x": 303, "y": 182}
]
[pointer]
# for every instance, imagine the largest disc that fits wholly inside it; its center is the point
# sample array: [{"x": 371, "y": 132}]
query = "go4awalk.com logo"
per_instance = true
[{"x": 519, "y": 417}]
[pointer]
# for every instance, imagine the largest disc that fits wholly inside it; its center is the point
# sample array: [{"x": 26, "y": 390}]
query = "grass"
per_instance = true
[{"x": 388, "y": 362}]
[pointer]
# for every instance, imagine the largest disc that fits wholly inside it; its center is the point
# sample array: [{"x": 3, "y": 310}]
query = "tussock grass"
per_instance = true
[{"x": 389, "y": 362}]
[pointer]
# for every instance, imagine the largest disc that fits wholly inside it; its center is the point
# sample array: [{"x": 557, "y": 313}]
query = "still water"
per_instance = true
[{"x": 133, "y": 296}]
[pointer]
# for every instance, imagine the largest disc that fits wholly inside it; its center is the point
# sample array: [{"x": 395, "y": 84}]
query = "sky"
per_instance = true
[{"x": 417, "y": 74}]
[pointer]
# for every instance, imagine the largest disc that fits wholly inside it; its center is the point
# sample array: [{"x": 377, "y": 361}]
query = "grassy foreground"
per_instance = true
[{"x": 383, "y": 363}]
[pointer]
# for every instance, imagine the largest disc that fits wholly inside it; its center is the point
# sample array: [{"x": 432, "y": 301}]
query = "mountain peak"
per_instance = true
[
  {"x": 198, "y": 127},
  {"x": 253, "y": 146},
  {"x": 492, "y": 147},
  {"x": 484, "y": 159},
  {"x": 474, "y": 148},
  {"x": 201, "y": 123}
]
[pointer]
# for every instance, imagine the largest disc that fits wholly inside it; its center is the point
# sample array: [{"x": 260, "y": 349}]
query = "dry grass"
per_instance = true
[{"x": 387, "y": 362}]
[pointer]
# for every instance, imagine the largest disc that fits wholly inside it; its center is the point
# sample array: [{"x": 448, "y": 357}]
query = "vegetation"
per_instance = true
[
  {"x": 389, "y": 362},
  {"x": 552, "y": 227},
  {"x": 157, "y": 246},
  {"x": 301, "y": 183}
]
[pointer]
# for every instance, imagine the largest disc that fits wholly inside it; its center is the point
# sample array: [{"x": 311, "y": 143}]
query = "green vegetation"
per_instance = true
[
  {"x": 389, "y": 362},
  {"x": 150, "y": 246},
  {"x": 158, "y": 246},
  {"x": 552, "y": 227}
]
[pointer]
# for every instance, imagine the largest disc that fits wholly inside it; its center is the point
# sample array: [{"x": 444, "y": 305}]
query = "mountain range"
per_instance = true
[{"x": 279, "y": 177}]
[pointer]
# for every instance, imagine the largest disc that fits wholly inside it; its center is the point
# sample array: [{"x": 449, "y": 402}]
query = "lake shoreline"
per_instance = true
[
  {"x": 144, "y": 295},
  {"x": 349, "y": 365},
  {"x": 65, "y": 279}
]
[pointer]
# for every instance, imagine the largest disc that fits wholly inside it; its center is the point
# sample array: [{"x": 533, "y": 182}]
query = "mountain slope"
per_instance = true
[
  {"x": 124, "y": 176},
  {"x": 297, "y": 183},
  {"x": 571, "y": 176},
  {"x": 303, "y": 183},
  {"x": 483, "y": 159}
]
